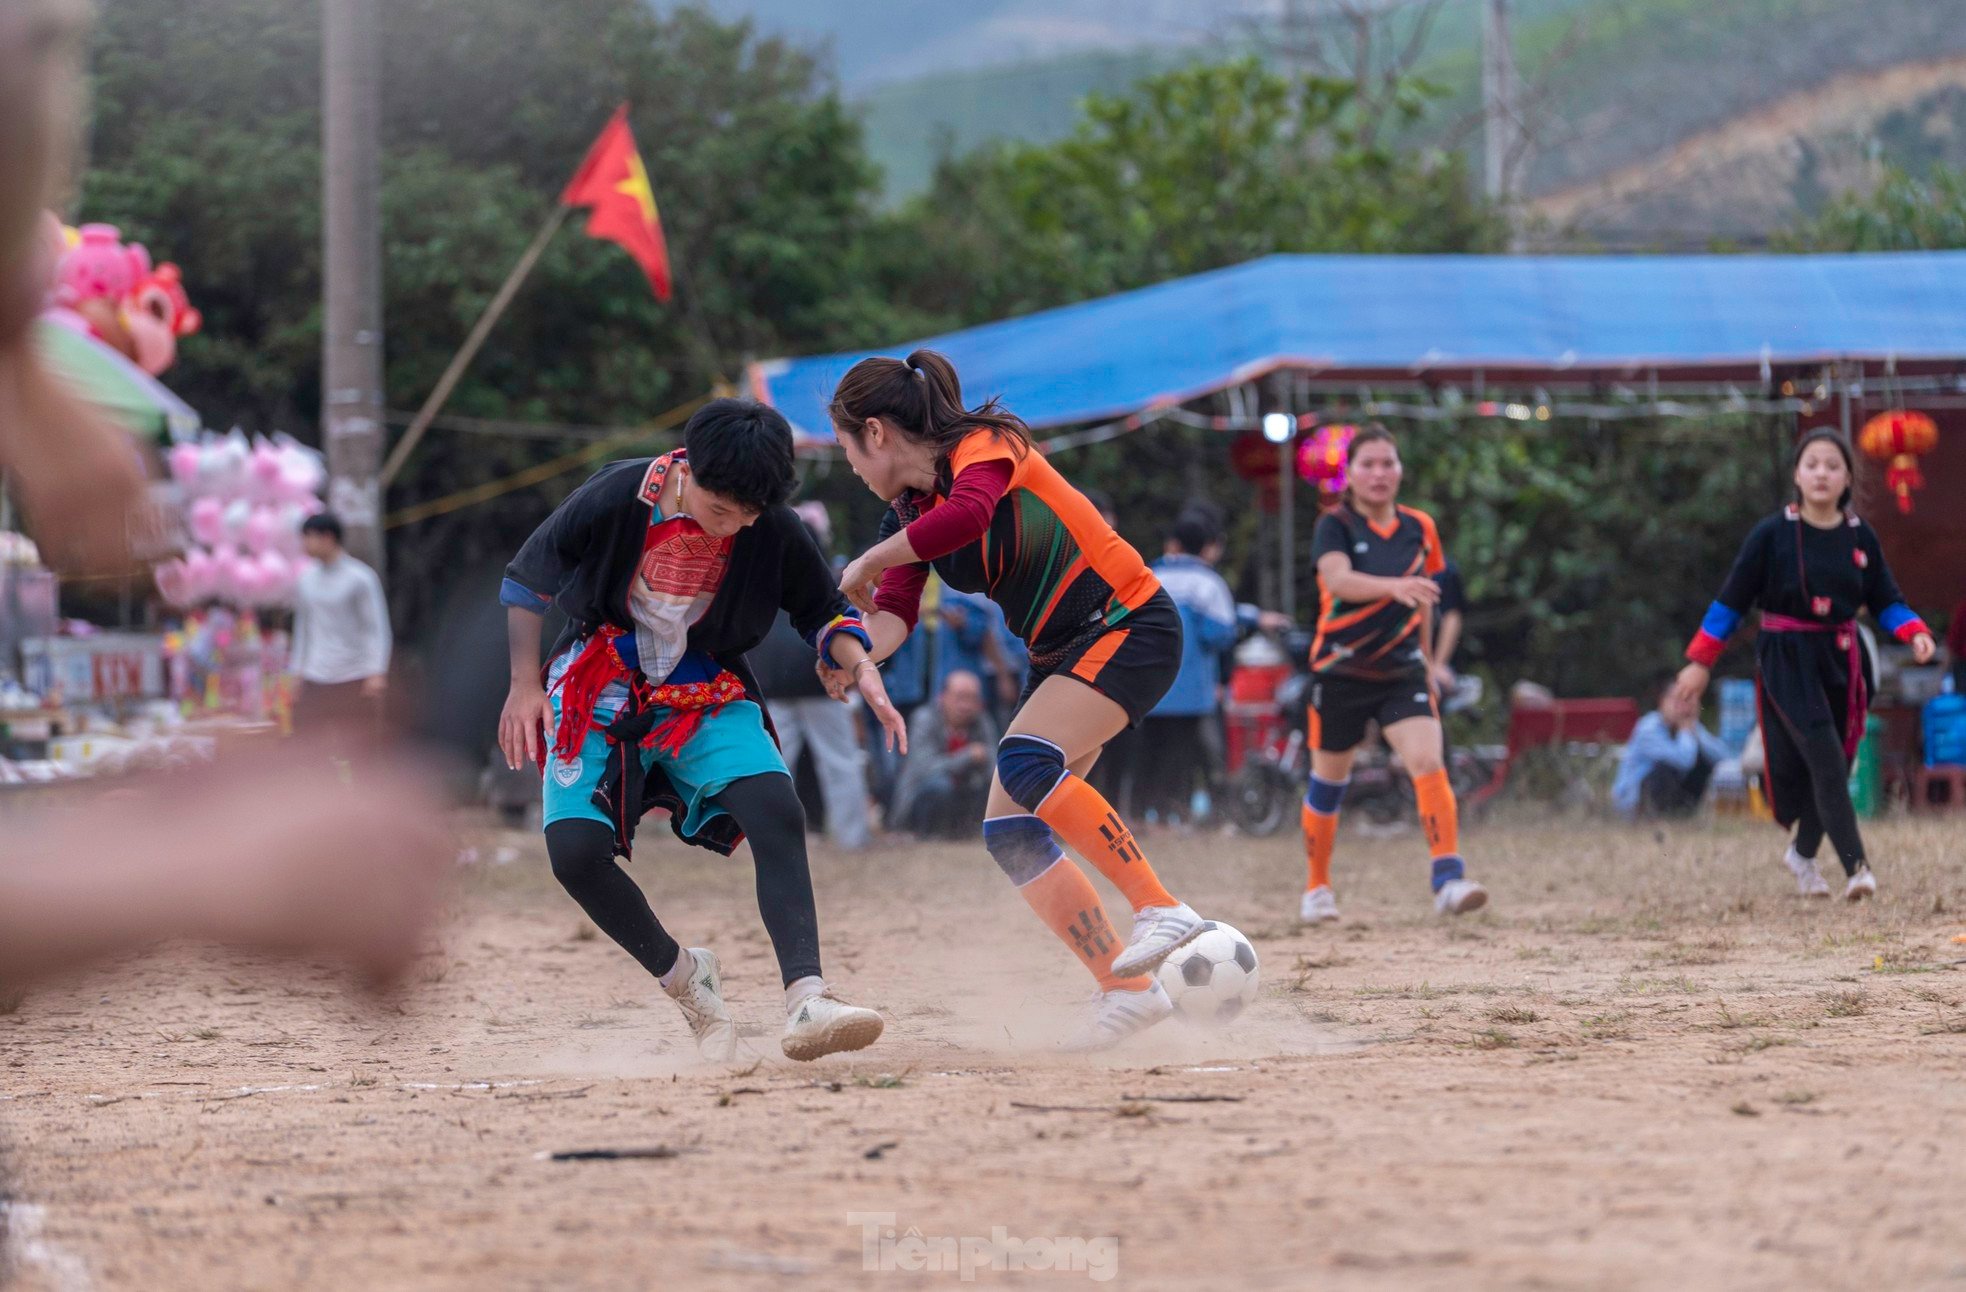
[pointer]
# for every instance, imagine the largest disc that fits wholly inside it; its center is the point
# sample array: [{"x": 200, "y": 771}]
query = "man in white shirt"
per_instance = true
[{"x": 341, "y": 634}]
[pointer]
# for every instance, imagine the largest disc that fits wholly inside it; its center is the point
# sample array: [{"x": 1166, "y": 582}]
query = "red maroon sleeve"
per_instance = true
[
  {"x": 900, "y": 591},
  {"x": 965, "y": 514}
]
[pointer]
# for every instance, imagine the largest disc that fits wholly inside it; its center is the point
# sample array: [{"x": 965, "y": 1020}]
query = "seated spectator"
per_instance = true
[
  {"x": 952, "y": 748},
  {"x": 1665, "y": 767}
]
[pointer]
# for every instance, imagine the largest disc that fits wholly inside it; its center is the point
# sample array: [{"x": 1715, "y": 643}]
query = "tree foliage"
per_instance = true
[
  {"x": 1904, "y": 212},
  {"x": 1201, "y": 167}
]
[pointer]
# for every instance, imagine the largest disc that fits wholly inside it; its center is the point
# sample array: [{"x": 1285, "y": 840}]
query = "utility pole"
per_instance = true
[
  {"x": 351, "y": 343},
  {"x": 1501, "y": 128}
]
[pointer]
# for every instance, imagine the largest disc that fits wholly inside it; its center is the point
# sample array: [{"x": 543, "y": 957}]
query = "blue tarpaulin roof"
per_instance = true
[{"x": 1402, "y": 315}]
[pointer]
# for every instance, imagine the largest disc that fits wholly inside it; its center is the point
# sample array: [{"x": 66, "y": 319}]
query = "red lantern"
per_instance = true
[
  {"x": 1321, "y": 458},
  {"x": 1900, "y": 437}
]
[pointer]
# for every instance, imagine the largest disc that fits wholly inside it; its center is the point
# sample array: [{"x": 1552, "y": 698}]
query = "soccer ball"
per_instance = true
[{"x": 1213, "y": 978}]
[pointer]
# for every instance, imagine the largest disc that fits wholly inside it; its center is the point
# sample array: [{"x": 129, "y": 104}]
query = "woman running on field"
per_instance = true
[
  {"x": 1375, "y": 564},
  {"x": 1810, "y": 567},
  {"x": 970, "y": 495}
]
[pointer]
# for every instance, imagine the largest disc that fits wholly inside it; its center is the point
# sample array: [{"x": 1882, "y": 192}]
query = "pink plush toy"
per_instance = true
[{"x": 139, "y": 309}]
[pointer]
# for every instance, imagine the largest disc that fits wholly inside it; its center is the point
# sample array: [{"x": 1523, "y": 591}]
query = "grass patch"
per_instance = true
[
  {"x": 1513, "y": 1014},
  {"x": 1729, "y": 1020},
  {"x": 1614, "y": 1026},
  {"x": 1678, "y": 985},
  {"x": 1845, "y": 1004},
  {"x": 1710, "y": 951},
  {"x": 1493, "y": 1038},
  {"x": 1761, "y": 1041}
]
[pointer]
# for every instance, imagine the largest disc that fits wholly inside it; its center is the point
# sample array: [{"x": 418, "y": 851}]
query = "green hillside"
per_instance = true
[{"x": 1612, "y": 81}]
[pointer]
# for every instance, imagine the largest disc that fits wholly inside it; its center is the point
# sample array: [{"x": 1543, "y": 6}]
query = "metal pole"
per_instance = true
[
  {"x": 434, "y": 404},
  {"x": 351, "y": 341},
  {"x": 1287, "y": 526}
]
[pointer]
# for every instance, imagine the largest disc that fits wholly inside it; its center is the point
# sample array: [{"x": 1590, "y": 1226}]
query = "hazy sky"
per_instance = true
[{"x": 883, "y": 40}]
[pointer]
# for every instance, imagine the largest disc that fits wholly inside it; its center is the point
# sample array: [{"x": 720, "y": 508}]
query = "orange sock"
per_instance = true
[
  {"x": 1066, "y": 900},
  {"x": 1320, "y": 834},
  {"x": 1439, "y": 814},
  {"x": 1081, "y": 817}
]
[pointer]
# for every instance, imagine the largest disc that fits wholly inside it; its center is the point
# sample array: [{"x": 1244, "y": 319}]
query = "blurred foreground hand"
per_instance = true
[{"x": 273, "y": 855}]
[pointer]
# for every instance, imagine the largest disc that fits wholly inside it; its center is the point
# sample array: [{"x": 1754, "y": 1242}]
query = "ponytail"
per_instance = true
[{"x": 922, "y": 398}]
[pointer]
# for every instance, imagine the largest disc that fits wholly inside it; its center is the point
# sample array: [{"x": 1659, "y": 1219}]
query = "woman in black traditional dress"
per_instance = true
[{"x": 1811, "y": 567}]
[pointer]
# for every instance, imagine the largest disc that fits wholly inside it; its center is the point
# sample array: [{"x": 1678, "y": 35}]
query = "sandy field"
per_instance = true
[{"x": 1646, "y": 1065}]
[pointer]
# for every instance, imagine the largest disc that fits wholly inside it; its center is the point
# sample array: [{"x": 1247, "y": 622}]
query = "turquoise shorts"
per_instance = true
[{"x": 731, "y": 744}]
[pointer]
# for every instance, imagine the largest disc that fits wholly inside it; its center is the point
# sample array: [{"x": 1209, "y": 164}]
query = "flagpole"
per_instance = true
[{"x": 441, "y": 393}]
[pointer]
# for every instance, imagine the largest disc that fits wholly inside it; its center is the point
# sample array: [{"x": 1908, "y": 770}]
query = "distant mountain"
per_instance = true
[
  {"x": 1654, "y": 122},
  {"x": 878, "y": 42}
]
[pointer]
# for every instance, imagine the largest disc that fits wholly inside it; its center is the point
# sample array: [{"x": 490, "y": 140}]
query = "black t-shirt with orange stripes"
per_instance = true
[{"x": 1376, "y": 641}]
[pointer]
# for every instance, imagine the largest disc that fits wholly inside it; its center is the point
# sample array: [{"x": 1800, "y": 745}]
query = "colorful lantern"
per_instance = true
[
  {"x": 1900, "y": 438},
  {"x": 1321, "y": 458}
]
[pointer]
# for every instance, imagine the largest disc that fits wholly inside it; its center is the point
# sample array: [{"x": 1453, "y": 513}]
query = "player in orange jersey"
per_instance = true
[
  {"x": 1375, "y": 562},
  {"x": 970, "y": 496}
]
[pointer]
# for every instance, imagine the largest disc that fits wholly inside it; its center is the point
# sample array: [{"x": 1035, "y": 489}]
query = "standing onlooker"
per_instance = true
[
  {"x": 1956, "y": 647},
  {"x": 1450, "y": 617},
  {"x": 952, "y": 750},
  {"x": 1174, "y": 744},
  {"x": 341, "y": 636},
  {"x": 805, "y": 717}
]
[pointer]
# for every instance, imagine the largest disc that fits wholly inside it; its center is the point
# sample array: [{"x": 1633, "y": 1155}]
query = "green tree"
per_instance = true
[
  {"x": 1904, "y": 212},
  {"x": 1199, "y": 168},
  {"x": 206, "y": 147}
]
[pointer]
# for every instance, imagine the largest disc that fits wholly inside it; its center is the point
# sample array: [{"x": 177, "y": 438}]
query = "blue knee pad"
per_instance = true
[
  {"x": 1022, "y": 846},
  {"x": 1030, "y": 768},
  {"x": 1325, "y": 797}
]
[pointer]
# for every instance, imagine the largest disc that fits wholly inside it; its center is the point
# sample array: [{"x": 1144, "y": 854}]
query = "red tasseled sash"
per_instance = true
[{"x": 600, "y": 664}]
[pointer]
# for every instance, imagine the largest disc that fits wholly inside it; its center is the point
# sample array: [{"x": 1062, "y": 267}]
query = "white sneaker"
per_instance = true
[
  {"x": 1318, "y": 906},
  {"x": 1117, "y": 1015},
  {"x": 824, "y": 1024},
  {"x": 1809, "y": 881},
  {"x": 1862, "y": 884},
  {"x": 1158, "y": 931},
  {"x": 1459, "y": 896},
  {"x": 701, "y": 998}
]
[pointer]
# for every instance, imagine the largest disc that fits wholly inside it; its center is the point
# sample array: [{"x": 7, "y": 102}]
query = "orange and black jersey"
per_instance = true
[
  {"x": 1046, "y": 556},
  {"x": 1373, "y": 640}
]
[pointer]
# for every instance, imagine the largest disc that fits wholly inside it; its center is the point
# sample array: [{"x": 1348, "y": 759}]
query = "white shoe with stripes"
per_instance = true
[
  {"x": 1117, "y": 1015},
  {"x": 1158, "y": 932}
]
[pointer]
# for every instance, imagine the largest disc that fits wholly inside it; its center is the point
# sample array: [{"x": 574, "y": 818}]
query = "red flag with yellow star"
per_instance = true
[{"x": 613, "y": 184}]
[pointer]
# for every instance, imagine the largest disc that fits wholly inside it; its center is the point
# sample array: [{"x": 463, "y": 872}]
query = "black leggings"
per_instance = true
[
  {"x": 1826, "y": 808},
  {"x": 767, "y": 810}
]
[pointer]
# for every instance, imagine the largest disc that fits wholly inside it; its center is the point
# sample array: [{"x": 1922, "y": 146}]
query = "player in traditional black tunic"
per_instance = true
[{"x": 1811, "y": 567}]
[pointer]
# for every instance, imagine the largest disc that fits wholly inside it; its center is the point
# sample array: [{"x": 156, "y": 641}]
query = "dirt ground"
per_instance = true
[{"x": 1647, "y": 1065}]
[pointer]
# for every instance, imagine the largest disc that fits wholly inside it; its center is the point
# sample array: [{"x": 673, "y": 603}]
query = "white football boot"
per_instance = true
[
  {"x": 824, "y": 1024},
  {"x": 1459, "y": 896},
  {"x": 1117, "y": 1015},
  {"x": 1809, "y": 881},
  {"x": 1158, "y": 932},
  {"x": 1319, "y": 906},
  {"x": 1862, "y": 884},
  {"x": 701, "y": 998}
]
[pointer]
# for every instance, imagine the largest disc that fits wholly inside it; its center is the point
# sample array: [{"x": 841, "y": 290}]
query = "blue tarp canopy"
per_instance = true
[{"x": 1401, "y": 317}]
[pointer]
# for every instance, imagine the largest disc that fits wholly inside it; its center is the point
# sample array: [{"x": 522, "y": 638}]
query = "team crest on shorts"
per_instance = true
[{"x": 566, "y": 772}]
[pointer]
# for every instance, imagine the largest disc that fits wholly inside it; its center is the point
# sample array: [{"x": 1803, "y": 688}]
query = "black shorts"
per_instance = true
[
  {"x": 1132, "y": 663},
  {"x": 1342, "y": 706}
]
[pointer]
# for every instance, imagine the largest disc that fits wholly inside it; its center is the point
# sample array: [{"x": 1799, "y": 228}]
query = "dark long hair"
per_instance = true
[
  {"x": 1817, "y": 436},
  {"x": 922, "y": 398},
  {"x": 1370, "y": 433}
]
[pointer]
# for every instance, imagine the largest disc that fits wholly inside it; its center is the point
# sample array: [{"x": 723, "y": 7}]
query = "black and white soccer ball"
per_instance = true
[{"x": 1213, "y": 978}]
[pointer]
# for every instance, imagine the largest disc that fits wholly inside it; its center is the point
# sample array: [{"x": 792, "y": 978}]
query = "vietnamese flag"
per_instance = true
[{"x": 614, "y": 185}]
